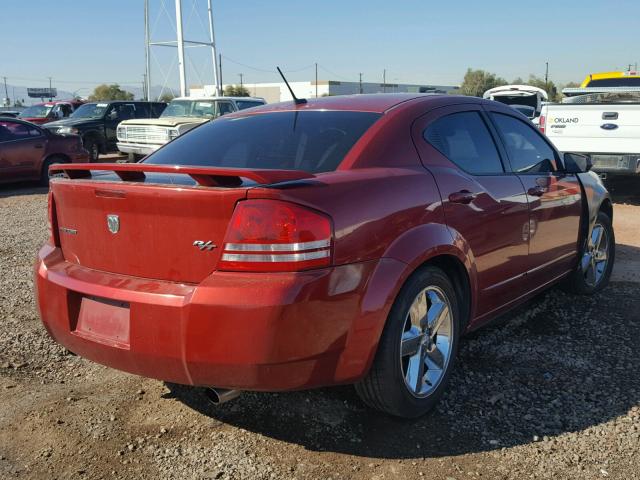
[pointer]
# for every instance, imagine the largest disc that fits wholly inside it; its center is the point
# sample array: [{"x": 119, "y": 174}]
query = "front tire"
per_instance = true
[
  {"x": 93, "y": 147},
  {"x": 417, "y": 349},
  {"x": 593, "y": 271}
]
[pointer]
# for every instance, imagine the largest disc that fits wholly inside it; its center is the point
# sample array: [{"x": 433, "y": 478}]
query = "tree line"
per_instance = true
[
  {"x": 106, "y": 92},
  {"x": 476, "y": 82}
]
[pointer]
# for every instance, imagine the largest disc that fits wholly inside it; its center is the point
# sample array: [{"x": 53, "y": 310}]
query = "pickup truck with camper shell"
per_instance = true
[
  {"x": 339, "y": 240},
  {"x": 601, "y": 119},
  {"x": 96, "y": 122},
  {"x": 139, "y": 137}
]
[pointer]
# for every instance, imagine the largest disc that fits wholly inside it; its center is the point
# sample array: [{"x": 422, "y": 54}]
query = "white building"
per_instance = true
[{"x": 278, "y": 92}]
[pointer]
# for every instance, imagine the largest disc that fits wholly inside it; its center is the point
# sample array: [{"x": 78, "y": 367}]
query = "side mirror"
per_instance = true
[
  {"x": 113, "y": 114},
  {"x": 577, "y": 163}
]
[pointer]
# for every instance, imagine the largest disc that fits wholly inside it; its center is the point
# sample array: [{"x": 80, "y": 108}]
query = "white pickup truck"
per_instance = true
[
  {"x": 600, "y": 121},
  {"x": 140, "y": 137}
]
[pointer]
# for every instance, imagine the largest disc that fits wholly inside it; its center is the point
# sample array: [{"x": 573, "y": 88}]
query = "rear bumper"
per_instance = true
[
  {"x": 137, "y": 148},
  {"x": 246, "y": 331},
  {"x": 616, "y": 163}
]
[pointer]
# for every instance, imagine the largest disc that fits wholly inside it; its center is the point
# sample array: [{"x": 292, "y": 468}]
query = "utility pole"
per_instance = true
[
  {"x": 240, "y": 80},
  {"x": 546, "y": 73},
  {"x": 316, "y": 79},
  {"x": 213, "y": 51},
  {"x": 360, "y": 83},
  {"x": 629, "y": 69},
  {"x": 147, "y": 59},
  {"x": 384, "y": 81},
  {"x": 180, "y": 44},
  {"x": 6, "y": 92},
  {"x": 220, "y": 73},
  {"x": 145, "y": 93},
  {"x": 50, "y": 98}
]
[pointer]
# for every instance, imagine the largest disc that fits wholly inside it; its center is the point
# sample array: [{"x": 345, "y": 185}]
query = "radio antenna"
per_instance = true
[{"x": 297, "y": 100}]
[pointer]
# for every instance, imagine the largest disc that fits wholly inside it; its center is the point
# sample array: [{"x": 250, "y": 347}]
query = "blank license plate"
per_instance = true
[{"x": 104, "y": 321}]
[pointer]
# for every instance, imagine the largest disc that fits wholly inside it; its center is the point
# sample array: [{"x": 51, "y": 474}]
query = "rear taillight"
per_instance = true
[
  {"x": 52, "y": 227},
  {"x": 542, "y": 123},
  {"x": 276, "y": 236}
]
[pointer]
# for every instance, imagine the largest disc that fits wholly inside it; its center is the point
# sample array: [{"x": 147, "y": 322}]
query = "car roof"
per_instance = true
[
  {"x": 220, "y": 98},
  {"x": 375, "y": 102}
]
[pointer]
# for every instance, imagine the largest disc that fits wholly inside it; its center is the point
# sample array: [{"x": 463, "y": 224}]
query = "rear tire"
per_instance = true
[
  {"x": 44, "y": 172},
  {"x": 593, "y": 271},
  {"x": 417, "y": 348}
]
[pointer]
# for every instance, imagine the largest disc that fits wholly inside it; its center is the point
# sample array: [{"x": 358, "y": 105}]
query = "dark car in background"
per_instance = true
[
  {"x": 96, "y": 123},
  {"x": 9, "y": 113},
  {"x": 27, "y": 151}
]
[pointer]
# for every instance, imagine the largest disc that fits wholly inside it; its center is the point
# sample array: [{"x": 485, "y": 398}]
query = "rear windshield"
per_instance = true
[{"x": 313, "y": 141}]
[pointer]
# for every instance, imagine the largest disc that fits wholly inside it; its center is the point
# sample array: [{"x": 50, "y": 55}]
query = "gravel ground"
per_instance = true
[{"x": 551, "y": 390}]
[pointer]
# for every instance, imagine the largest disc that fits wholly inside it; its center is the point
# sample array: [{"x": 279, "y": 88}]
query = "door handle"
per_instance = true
[
  {"x": 39, "y": 145},
  {"x": 537, "y": 191},
  {"x": 463, "y": 196}
]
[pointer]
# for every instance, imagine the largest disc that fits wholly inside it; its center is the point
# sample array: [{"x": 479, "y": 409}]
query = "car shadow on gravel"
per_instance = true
[
  {"x": 23, "y": 188},
  {"x": 559, "y": 364}
]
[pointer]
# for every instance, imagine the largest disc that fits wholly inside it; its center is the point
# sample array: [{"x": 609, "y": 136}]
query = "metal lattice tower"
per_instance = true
[{"x": 180, "y": 43}]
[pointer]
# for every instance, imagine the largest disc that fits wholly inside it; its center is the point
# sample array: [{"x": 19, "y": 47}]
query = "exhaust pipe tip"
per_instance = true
[{"x": 219, "y": 396}]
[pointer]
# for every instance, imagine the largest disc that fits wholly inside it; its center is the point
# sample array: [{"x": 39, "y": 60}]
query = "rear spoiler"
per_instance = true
[{"x": 204, "y": 176}]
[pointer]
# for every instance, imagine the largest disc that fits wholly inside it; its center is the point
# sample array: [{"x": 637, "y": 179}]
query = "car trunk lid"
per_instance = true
[{"x": 152, "y": 221}]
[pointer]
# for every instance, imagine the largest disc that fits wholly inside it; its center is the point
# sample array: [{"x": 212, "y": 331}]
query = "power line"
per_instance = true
[{"x": 264, "y": 70}]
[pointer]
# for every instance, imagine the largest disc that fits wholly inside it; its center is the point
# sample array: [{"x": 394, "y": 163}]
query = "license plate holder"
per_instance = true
[{"x": 104, "y": 321}]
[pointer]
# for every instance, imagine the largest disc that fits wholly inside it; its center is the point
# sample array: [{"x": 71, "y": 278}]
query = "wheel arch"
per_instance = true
[{"x": 429, "y": 244}]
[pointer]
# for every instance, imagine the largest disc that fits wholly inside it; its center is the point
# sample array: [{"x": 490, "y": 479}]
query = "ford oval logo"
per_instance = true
[{"x": 609, "y": 126}]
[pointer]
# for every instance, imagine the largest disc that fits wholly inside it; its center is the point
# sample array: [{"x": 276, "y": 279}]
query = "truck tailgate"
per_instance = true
[{"x": 601, "y": 128}]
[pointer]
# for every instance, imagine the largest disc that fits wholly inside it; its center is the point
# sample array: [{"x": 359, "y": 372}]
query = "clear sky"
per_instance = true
[{"x": 84, "y": 42}]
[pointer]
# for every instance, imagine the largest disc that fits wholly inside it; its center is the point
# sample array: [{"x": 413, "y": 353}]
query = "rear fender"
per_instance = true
[{"x": 403, "y": 257}]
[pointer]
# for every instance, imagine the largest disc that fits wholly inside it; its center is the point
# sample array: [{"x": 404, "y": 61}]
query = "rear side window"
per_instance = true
[
  {"x": 243, "y": 104},
  {"x": 465, "y": 140},
  {"x": 527, "y": 150},
  {"x": 313, "y": 141}
]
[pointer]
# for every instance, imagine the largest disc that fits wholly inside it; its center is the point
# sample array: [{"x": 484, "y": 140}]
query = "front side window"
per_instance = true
[
  {"x": 312, "y": 141},
  {"x": 465, "y": 140},
  {"x": 527, "y": 150}
]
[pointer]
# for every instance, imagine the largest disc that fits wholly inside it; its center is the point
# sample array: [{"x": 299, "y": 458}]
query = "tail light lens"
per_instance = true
[
  {"x": 52, "y": 227},
  {"x": 276, "y": 236},
  {"x": 542, "y": 123}
]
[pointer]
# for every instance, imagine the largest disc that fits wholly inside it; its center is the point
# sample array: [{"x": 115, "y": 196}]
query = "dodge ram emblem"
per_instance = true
[{"x": 113, "y": 223}]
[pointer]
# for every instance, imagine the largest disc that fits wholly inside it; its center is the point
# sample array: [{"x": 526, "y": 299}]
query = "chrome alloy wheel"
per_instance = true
[
  {"x": 596, "y": 257},
  {"x": 425, "y": 347}
]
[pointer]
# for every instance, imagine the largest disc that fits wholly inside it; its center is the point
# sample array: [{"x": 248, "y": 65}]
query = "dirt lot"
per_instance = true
[{"x": 550, "y": 391}]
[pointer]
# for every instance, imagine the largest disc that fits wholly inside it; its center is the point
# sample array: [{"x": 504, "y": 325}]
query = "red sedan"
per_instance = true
[
  {"x": 341, "y": 240},
  {"x": 27, "y": 151}
]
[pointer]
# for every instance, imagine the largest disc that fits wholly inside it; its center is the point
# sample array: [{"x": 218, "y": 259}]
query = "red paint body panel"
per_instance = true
[
  {"x": 22, "y": 157},
  {"x": 168, "y": 313}
]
